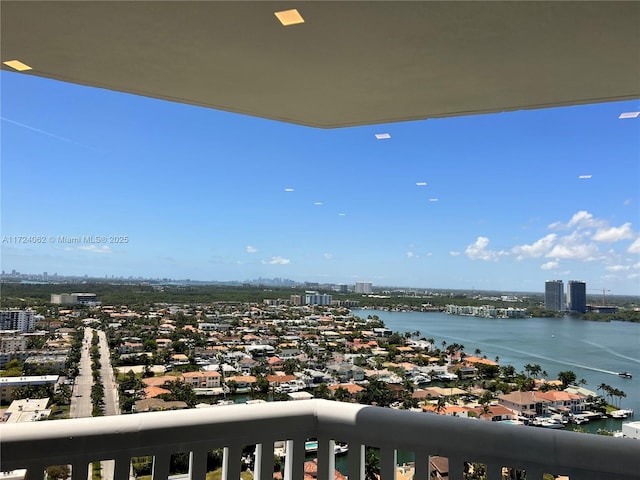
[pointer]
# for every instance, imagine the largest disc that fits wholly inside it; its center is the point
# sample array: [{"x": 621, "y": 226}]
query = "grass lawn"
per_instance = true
[{"x": 59, "y": 411}]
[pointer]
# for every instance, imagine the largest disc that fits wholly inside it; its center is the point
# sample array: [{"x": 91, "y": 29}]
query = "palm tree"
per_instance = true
[
  {"x": 535, "y": 370},
  {"x": 606, "y": 390}
]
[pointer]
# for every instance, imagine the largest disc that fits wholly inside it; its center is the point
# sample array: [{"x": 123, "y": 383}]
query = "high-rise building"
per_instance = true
[
  {"x": 315, "y": 298},
  {"x": 363, "y": 287},
  {"x": 22, "y": 320},
  {"x": 554, "y": 295},
  {"x": 577, "y": 296}
]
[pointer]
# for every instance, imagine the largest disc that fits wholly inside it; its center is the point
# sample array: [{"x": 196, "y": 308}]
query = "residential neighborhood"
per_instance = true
[{"x": 181, "y": 356}]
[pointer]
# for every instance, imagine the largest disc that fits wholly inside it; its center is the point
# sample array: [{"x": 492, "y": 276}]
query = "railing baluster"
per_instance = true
[
  {"x": 263, "y": 466},
  {"x": 294, "y": 461},
  {"x": 355, "y": 462},
  {"x": 388, "y": 460},
  {"x": 231, "y": 463},
  {"x": 79, "y": 470},
  {"x": 326, "y": 458},
  {"x": 161, "y": 460},
  {"x": 456, "y": 468},
  {"x": 534, "y": 473},
  {"x": 198, "y": 464},
  {"x": 32, "y": 470},
  {"x": 122, "y": 468},
  {"x": 494, "y": 471},
  {"x": 422, "y": 466}
]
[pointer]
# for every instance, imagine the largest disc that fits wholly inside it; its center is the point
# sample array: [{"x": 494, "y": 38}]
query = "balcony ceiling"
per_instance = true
[{"x": 350, "y": 63}]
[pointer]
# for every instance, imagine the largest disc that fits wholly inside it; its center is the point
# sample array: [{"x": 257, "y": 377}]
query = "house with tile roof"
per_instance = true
[
  {"x": 495, "y": 413},
  {"x": 208, "y": 379},
  {"x": 528, "y": 404},
  {"x": 564, "y": 402}
]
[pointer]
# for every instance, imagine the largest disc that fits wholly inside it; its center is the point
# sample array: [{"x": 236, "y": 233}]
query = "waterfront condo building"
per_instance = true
[
  {"x": 315, "y": 298},
  {"x": 577, "y": 296},
  {"x": 554, "y": 295},
  {"x": 363, "y": 287}
]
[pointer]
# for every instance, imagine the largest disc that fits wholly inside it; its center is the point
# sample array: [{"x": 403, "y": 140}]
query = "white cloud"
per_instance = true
[
  {"x": 633, "y": 276},
  {"x": 410, "y": 255},
  {"x": 613, "y": 234},
  {"x": 574, "y": 251},
  {"x": 328, "y": 256},
  {"x": 277, "y": 261},
  {"x": 429, "y": 254},
  {"x": 581, "y": 219},
  {"x": 537, "y": 249},
  {"x": 549, "y": 265},
  {"x": 251, "y": 249},
  {"x": 96, "y": 249},
  {"x": 618, "y": 268},
  {"x": 454, "y": 253},
  {"x": 288, "y": 189},
  {"x": 628, "y": 201},
  {"x": 478, "y": 250},
  {"x": 635, "y": 246}
]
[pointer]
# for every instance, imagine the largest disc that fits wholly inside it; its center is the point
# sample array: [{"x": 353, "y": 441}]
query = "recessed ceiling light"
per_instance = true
[
  {"x": 629, "y": 115},
  {"x": 382, "y": 136},
  {"x": 289, "y": 17},
  {"x": 17, "y": 65}
]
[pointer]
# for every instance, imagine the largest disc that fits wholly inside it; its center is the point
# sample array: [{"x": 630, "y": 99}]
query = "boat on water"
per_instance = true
[
  {"x": 579, "y": 419},
  {"x": 621, "y": 413},
  {"x": 625, "y": 375},
  {"x": 547, "y": 422}
]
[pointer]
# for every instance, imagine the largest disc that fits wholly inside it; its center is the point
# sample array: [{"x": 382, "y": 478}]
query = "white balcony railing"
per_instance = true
[{"x": 79, "y": 442}]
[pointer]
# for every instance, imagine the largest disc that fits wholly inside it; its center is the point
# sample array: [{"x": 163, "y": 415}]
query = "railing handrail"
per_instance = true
[{"x": 85, "y": 440}]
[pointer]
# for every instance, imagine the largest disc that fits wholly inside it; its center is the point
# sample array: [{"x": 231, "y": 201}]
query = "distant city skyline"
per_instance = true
[{"x": 103, "y": 183}]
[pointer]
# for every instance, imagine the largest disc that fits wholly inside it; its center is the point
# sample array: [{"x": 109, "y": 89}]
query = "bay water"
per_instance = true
[{"x": 594, "y": 351}]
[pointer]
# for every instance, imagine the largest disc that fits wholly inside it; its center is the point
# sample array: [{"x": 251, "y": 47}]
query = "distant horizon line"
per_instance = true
[{"x": 272, "y": 281}]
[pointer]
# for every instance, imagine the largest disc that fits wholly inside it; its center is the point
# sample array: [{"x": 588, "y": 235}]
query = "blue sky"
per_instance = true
[{"x": 210, "y": 195}]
